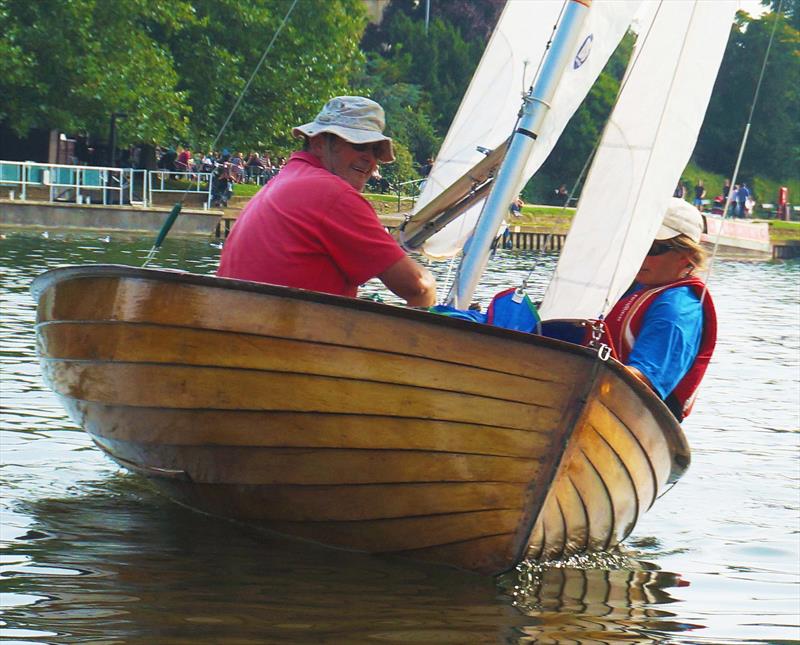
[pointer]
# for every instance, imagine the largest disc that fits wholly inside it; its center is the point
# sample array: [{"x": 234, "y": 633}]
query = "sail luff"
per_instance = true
[
  {"x": 640, "y": 159},
  {"x": 506, "y": 185}
]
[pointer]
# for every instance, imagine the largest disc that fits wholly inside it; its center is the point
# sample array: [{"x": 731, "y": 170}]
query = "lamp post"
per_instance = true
[{"x": 112, "y": 137}]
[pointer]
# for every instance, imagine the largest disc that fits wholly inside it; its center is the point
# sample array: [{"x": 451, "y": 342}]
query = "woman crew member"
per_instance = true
[{"x": 664, "y": 328}]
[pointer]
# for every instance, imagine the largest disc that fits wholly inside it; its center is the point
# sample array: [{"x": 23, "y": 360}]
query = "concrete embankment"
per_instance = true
[{"x": 98, "y": 217}]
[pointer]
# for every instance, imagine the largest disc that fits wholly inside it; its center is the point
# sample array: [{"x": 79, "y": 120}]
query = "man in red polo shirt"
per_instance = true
[{"x": 310, "y": 228}]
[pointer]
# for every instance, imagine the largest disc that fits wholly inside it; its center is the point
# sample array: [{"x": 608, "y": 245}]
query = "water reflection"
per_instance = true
[
  {"x": 121, "y": 564},
  {"x": 596, "y": 602}
]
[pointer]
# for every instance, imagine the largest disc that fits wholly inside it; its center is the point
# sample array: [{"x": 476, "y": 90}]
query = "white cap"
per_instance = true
[
  {"x": 681, "y": 218},
  {"x": 353, "y": 118}
]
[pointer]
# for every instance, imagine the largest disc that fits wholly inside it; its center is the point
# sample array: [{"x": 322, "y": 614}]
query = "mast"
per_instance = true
[{"x": 535, "y": 106}]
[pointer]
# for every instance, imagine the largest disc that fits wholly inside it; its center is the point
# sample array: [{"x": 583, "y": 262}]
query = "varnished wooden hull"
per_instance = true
[{"x": 355, "y": 424}]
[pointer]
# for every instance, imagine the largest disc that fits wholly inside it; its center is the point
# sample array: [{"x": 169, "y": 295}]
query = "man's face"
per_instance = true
[{"x": 354, "y": 163}]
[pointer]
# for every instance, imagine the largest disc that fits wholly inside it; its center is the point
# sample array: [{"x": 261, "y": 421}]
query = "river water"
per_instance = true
[{"x": 91, "y": 554}]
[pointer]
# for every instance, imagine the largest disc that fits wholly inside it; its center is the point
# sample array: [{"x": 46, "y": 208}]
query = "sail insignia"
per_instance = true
[{"x": 583, "y": 52}]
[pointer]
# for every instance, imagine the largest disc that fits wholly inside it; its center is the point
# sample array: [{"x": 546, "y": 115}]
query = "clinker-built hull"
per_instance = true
[{"x": 352, "y": 423}]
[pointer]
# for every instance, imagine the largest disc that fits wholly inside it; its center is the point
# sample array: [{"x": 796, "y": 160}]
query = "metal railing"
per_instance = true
[
  {"x": 79, "y": 184},
  {"x": 100, "y": 185},
  {"x": 198, "y": 183}
]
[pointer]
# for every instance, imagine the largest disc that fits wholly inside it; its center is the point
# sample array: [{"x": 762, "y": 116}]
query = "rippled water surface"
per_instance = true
[{"x": 91, "y": 554}]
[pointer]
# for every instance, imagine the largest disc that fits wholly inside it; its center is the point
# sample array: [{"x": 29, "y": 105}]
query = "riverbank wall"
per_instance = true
[{"x": 106, "y": 218}]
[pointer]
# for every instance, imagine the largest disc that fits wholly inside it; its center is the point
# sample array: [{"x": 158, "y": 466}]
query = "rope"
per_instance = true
[
  {"x": 742, "y": 146},
  {"x": 253, "y": 75}
]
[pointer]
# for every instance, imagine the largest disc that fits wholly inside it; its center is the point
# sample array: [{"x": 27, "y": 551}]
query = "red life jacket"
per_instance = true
[{"x": 625, "y": 320}]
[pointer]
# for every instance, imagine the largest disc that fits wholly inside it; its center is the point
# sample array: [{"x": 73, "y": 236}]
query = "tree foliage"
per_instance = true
[
  {"x": 312, "y": 60},
  {"x": 69, "y": 65},
  {"x": 773, "y": 146},
  {"x": 174, "y": 67}
]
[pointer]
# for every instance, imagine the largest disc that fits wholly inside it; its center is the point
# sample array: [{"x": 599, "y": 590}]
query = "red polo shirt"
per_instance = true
[{"x": 310, "y": 229}]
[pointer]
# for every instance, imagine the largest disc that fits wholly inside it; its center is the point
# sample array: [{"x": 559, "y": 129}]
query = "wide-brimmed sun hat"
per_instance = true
[
  {"x": 353, "y": 118},
  {"x": 681, "y": 218}
]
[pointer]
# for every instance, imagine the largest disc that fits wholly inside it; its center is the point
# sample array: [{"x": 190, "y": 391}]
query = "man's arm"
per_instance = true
[{"x": 411, "y": 281}]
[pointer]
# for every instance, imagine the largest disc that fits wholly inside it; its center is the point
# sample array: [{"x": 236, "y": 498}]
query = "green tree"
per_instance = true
[
  {"x": 175, "y": 67},
  {"x": 789, "y": 8},
  {"x": 70, "y": 64},
  {"x": 773, "y": 147},
  {"x": 312, "y": 60},
  {"x": 440, "y": 61},
  {"x": 407, "y": 120}
]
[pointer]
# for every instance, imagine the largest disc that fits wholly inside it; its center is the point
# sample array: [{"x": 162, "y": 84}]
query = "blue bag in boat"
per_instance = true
[
  {"x": 452, "y": 312},
  {"x": 513, "y": 311},
  {"x": 504, "y": 311}
]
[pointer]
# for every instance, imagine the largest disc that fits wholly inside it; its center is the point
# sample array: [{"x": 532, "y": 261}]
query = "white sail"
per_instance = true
[
  {"x": 646, "y": 145},
  {"x": 489, "y": 109}
]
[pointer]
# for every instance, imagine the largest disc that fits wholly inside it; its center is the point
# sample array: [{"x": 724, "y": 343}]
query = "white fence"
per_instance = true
[
  {"x": 197, "y": 183},
  {"x": 100, "y": 185}
]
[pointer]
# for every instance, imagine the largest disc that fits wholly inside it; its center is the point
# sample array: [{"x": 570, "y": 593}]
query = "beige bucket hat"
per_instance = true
[
  {"x": 353, "y": 118},
  {"x": 681, "y": 218}
]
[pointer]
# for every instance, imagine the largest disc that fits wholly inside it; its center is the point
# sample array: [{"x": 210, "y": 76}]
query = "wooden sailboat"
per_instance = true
[
  {"x": 357, "y": 424},
  {"x": 352, "y": 423}
]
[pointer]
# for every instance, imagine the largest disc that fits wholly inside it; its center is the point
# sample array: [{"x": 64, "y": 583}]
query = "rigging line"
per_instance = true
[
  {"x": 253, "y": 75},
  {"x": 176, "y": 209},
  {"x": 742, "y": 146}
]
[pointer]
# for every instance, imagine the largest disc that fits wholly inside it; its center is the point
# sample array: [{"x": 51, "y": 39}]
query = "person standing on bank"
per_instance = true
[
  {"x": 664, "y": 328},
  {"x": 310, "y": 228},
  {"x": 699, "y": 195}
]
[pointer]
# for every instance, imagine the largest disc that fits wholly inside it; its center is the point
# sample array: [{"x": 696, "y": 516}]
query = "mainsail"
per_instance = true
[
  {"x": 488, "y": 111},
  {"x": 646, "y": 144}
]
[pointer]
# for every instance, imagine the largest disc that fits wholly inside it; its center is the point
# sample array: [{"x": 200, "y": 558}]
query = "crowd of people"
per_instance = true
[
  {"x": 227, "y": 168},
  {"x": 253, "y": 168}
]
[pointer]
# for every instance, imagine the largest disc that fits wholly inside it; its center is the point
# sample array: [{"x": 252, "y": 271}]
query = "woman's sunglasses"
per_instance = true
[{"x": 660, "y": 248}]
